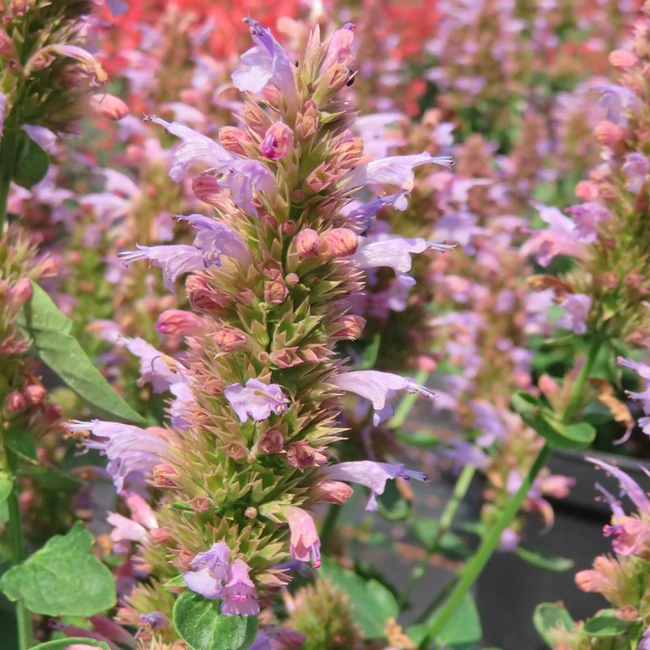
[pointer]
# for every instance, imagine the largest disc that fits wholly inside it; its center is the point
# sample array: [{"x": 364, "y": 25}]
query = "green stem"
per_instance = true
[
  {"x": 407, "y": 402},
  {"x": 474, "y": 566},
  {"x": 24, "y": 620},
  {"x": 328, "y": 527},
  {"x": 7, "y": 164},
  {"x": 446, "y": 519},
  {"x": 433, "y": 605}
]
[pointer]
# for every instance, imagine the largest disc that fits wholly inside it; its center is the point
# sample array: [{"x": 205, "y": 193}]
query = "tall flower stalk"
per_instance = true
[{"x": 257, "y": 398}]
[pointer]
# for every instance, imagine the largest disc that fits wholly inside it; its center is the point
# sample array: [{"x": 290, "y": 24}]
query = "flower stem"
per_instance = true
[
  {"x": 24, "y": 620},
  {"x": 407, "y": 402},
  {"x": 446, "y": 519},
  {"x": 7, "y": 164},
  {"x": 475, "y": 565}
]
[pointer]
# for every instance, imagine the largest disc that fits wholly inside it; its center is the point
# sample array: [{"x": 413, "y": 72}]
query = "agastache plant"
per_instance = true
[{"x": 270, "y": 279}]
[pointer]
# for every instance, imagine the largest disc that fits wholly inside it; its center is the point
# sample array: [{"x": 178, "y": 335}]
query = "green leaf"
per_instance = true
[
  {"x": 62, "y": 644},
  {"x": 48, "y": 328},
  {"x": 178, "y": 581},
  {"x": 32, "y": 161},
  {"x": 63, "y": 578},
  {"x": 542, "y": 559},
  {"x": 426, "y": 530},
  {"x": 420, "y": 438},
  {"x": 604, "y": 625},
  {"x": 372, "y": 603},
  {"x": 417, "y": 633},
  {"x": 21, "y": 442},
  {"x": 51, "y": 478},
  {"x": 6, "y": 486},
  {"x": 548, "y": 616},
  {"x": 202, "y": 626},
  {"x": 464, "y": 628},
  {"x": 567, "y": 436},
  {"x": 368, "y": 349}
]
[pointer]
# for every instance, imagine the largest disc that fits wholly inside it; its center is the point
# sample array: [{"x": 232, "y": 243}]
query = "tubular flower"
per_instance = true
[{"x": 256, "y": 399}]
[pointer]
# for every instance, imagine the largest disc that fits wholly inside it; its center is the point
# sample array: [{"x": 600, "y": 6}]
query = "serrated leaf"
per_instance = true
[
  {"x": 63, "y": 644},
  {"x": 203, "y": 627},
  {"x": 464, "y": 628},
  {"x": 63, "y": 578},
  {"x": 48, "y": 329},
  {"x": 21, "y": 442},
  {"x": 548, "y": 616},
  {"x": 542, "y": 559},
  {"x": 605, "y": 625},
  {"x": 558, "y": 434},
  {"x": 32, "y": 161},
  {"x": 371, "y": 607},
  {"x": 6, "y": 486},
  {"x": 51, "y": 478}
]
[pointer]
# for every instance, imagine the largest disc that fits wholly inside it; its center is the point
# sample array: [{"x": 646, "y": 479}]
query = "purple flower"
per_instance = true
[
  {"x": 304, "y": 543},
  {"x": 465, "y": 453},
  {"x": 628, "y": 486},
  {"x": 378, "y": 387},
  {"x": 587, "y": 216},
  {"x": 266, "y": 62},
  {"x": 488, "y": 421},
  {"x": 371, "y": 474},
  {"x": 398, "y": 292},
  {"x": 240, "y": 596},
  {"x": 616, "y": 100},
  {"x": 153, "y": 367},
  {"x": 257, "y": 400},
  {"x": 635, "y": 168},
  {"x": 560, "y": 238},
  {"x": 117, "y": 7},
  {"x": 156, "y": 620},
  {"x": 576, "y": 309},
  {"x": 174, "y": 260},
  {"x": 394, "y": 252},
  {"x": 242, "y": 176},
  {"x": 394, "y": 170},
  {"x": 180, "y": 408},
  {"x": 129, "y": 449},
  {"x": 210, "y": 569},
  {"x": 215, "y": 239}
]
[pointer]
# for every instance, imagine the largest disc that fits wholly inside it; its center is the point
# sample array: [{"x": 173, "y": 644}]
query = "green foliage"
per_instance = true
[
  {"x": 542, "y": 559},
  {"x": 464, "y": 628},
  {"x": 51, "y": 478},
  {"x": 62, "y": 644},
  {"x": 32, "y": 161},
  {"x": 605, "y": 625},
  {"x": 426, "y": 531},
  {"x": 548, "y": 616},
  {"x": 372, "y": 604},
  {"x": 202, "y": 626},
  {"x": 558, "y": 434},
  {"x": 63, "y": 578},
  {"x": 21, "y": 443},
  {"x": 6, "y": 486},
  {"x": 49, "y": 331}
]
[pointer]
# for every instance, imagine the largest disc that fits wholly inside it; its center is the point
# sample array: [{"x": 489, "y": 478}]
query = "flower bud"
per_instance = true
[
  {"x": 289, "y": 228},
  {"x": 204, "y": 297},
  {"x": 307, "y": 122},
  {"x": 161, "y": 535},
  {"x": 206, "y": 188},
  {"x": 351, "y": 326},
  {"x": 307, "y": 243},
  {"x": 333, "y": 492},
  {"x": 233, "y": 139},
  {"x": 278, "y": 141},
  {"x": 177, "y": 321},
  {"x": 201, "y": 503},
  {"x": 275, "y": 291},
  {"x": 34, "y": 394},
  {"x": 165, "y": 476},
  {"x": 301, "y": 455},
  {"x": 272, "y": 442},
  {"x": 109, "y": 106},
  {"x": 15, "y": 402},
  {"x": 230, "y": 339},
  {"x": 250, "y": 513},
  {"x": 20, "y": 293},
  {"x": 623, "y": 59},
  {"x": 340, "y": 242},
  {"x": 587, "y": 191},
  {"x": 610, "y": 134},
  {"x": 339, "y": 50}
]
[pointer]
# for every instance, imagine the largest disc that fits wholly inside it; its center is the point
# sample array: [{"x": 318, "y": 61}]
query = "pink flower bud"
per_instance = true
[
  {"x": 15, "y": 402},
  {"x": 610, "y": 134},
  {"x": 272, "y": 442},
  {"x": 230, "y": 339},
  {"x": 206, "y": 188},
  {"x": 201, "y": 503},
  {"x": 21, "y": 292},
  {"x": 334, "y": 492},
  {"x": 177, "y": 321},
  {"x": 278, "y": 141},
  {"x": 275, "y": 291},
  {"x": 587, "y": 191},
  {"x": 234, "y": 139},
  {"x": 289, "y": 228},
  {"x": 109, "y": 106},
  {"x": 307, "y": 122},
  {"x": 165, "y": 476},
  {"x": 351, "y": 326},
  {"x": 549, "y": 387},
  {"x": 340, "y": 242},
  {"x": 339, "y": 50},
  {"x": 34, "y": 394},
  {"x": 307, "y": 243},
  {"x": 623, "y": 59},
  {"x": 204, "y": 297}
]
